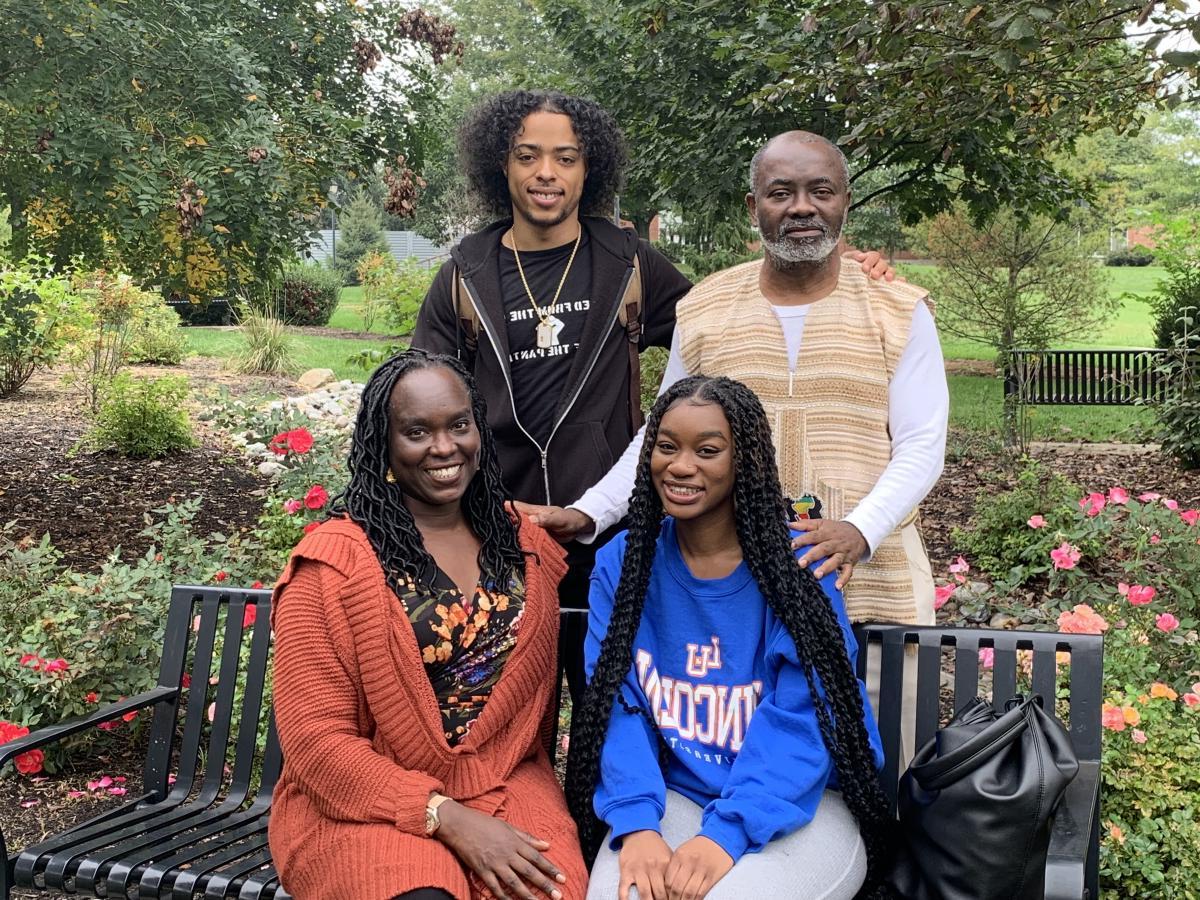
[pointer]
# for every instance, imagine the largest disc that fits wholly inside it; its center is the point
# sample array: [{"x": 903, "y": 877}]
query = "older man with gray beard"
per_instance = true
[{"x": 849, "y": 370}]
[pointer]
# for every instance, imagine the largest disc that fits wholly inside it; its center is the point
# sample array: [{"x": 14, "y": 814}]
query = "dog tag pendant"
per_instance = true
[{"x": 548, "y": 331}]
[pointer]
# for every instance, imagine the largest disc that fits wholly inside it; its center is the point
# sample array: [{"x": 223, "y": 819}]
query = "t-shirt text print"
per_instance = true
[{"x": 539, "y": 373}]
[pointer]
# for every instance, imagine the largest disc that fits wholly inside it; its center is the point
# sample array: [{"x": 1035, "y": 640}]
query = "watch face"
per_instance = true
[{"x": 431, "y": 821}]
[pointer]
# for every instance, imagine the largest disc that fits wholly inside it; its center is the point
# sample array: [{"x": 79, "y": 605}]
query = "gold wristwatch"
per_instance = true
[{"x": 432, "y": 822}]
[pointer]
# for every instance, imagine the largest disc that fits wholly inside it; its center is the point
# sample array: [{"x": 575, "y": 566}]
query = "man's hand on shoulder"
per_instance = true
[
  {"x": 563, "y": 524},
  {"x": 874, "y": 265},
  {"x": 839, "y": 543}
]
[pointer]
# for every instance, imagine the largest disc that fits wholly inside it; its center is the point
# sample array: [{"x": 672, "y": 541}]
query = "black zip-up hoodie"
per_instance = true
[{"x": 592, "y": 420}]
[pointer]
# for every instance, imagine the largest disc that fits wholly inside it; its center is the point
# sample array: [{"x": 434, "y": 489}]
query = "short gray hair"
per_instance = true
[{"x": 808, "y": 138}]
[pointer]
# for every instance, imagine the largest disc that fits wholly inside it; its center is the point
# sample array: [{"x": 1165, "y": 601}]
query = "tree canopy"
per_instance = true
[
  {"x": 194, "y": 140},
  {"x": 957, "y": 101}
]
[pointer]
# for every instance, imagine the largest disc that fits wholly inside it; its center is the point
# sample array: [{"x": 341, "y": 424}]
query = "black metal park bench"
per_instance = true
[
  {"x": 205, "y": 833},
  {"x": 1085, "y": 377}
]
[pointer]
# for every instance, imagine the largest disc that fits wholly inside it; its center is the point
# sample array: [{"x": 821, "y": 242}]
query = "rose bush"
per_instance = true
[{"x": 1127, "y": 567}]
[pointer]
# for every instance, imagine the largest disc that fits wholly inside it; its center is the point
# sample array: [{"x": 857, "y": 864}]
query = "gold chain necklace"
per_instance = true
[{"x": 549, "y": 325}]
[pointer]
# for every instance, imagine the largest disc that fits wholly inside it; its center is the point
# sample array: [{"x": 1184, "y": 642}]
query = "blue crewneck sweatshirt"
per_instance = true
[{"x": 720, "y": 676}]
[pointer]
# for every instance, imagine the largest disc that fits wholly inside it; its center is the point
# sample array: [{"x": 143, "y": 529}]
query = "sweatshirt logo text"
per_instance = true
[{"x": 713, "y": 714}]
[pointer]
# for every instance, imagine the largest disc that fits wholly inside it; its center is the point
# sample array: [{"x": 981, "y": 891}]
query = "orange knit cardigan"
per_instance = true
[{"x": 361, "y": 731}]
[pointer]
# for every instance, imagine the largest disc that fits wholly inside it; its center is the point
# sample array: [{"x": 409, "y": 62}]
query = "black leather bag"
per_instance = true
[{"x": 977, "y": 803}]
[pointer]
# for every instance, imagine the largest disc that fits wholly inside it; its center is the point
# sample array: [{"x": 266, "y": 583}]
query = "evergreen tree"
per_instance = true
[{"x": 360, "y": 232}]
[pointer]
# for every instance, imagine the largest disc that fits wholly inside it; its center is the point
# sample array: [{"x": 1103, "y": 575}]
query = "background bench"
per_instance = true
[
  {"x": 206, "y": 834},
  {"x": 1085, "y": 377}
]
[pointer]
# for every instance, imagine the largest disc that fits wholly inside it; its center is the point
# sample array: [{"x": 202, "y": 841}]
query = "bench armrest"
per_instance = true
[
  {"x": 1070, "y": 837},
  {"x": 52, "y": 733}
]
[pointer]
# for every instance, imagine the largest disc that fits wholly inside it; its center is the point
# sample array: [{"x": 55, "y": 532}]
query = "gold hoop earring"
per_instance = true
[{"x": 391, "y": 476}]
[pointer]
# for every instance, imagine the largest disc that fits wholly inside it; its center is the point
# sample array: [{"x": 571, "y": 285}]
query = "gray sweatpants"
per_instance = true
[{"x": 824, "y": 860}]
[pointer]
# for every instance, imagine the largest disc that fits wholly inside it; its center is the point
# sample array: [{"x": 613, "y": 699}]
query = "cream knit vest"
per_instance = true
[{"x": 830, "y": 415}]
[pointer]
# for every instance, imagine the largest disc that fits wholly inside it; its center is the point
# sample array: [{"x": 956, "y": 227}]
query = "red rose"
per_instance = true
[
  {"x": 130, "y": 716},
  {"x": 220, "y": 576},
  {"x": 316, "y": 497},
  {"x": 311, "y": 526},
  {"x": 256, "y": 585},
  {"x": 91, "y": 697},
  {"x": 249, "y": 615},
  {"x": 300, "y": 441},
  {"x": 30, "y": 763},
  {"x": 187, "y": 679},
  {"x": 279, "y": 444},
  {"x": 10, "y": 732},
  {"x": 56, "y": 665},
  {"x": 32, "y": 660}
]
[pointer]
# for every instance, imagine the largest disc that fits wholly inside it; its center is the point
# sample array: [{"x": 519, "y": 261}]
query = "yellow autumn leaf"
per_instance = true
[
  {"x": 220, "y": 229},
  {"x": 972, "y": 14},
  {"x": 39, "y": 41},
  {"x": 137, "y": 85},
  {"x": 252, "y": 97}
]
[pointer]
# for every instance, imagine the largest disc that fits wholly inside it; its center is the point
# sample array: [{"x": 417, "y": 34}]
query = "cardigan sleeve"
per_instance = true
[{"x": 317, "y": 702}]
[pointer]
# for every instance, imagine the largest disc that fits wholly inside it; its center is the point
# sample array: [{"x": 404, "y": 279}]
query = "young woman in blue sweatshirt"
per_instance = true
[{"x": 724, "y": 742}]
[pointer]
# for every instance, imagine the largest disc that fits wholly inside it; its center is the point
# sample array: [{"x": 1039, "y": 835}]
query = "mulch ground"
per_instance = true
[{"x": 92, "y": 502}]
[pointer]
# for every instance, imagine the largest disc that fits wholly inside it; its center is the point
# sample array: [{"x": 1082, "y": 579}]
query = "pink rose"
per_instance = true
[
  {"x": 1092, "y": 504},
  {"x": 1171, "y": 504},
  {"x": 1166, "y": 622},
  {"x": 291, "y": 506},
  {"x": 1112, "y": 718},
  {"x": 1118, "y": 496},
  {"x": 1066, "y": 556},
  {"x": 942, "y": 593},
  {"x": 1137, "y": 594},
  {"x": 1036, "y": 522},
  {"x": 1139, "y": 736},
  {"x": 987, "y": 657},
  {"x": 1190, "y": 516},
  {"x": 959, "y": 569},
  {"x": 1192, "y": 700},
  {"x": 1149, "y": 496},
  {"x": 1155, "y": 538}
]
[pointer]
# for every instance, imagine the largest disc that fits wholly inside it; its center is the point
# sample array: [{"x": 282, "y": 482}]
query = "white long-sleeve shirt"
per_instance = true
[{"x": 918, "y": 410}]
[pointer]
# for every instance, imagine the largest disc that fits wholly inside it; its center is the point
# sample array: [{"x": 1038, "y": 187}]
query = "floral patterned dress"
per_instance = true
[{"x": 464, "y": 642}]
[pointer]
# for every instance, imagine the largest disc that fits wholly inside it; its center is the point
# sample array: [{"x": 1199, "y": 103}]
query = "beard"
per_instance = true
[{"x": 786, "y": 253}]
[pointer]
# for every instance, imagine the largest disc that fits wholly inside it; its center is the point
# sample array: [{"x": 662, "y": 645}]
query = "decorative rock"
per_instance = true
[
  {"x": 1001, "y": 620},
  {"x": 256, "y": 449},
  {"x": 270, "y": 468},
  {"x": 315, "y": 378}
]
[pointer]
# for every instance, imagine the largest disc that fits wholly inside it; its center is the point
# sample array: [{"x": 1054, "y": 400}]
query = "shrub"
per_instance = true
[
  {"x": 308, "y": 295},
  {"x": 268, "y": 349},
  {"x": 998, "y": 536},
  {"x": 375, "y": 272},
  {"x": 86, "y": 639},
  {"x": 36, "y": 308},
  {"x": 119, "y": 321},
  {"x": 1178, "y": 410},
  {"x": 156, "y": 336},
  {"x": 1132, "y": 256},
  {"x": 403, "y": 292},
  {"x": 144, "y": 417}
]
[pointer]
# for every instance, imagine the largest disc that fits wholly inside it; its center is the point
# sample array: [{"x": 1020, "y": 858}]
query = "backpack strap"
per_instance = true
[
  {"x": 629, "y": 314},
  {"x": 466, "y": 318}
]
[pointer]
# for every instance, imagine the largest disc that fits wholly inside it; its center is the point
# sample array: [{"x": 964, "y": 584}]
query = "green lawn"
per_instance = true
[
  {"x": 1132, "y": 326},
  {"x": 976, "y": 404},
  {"x": 312, "y": 352},
  {"x": 348, "y": 315}
]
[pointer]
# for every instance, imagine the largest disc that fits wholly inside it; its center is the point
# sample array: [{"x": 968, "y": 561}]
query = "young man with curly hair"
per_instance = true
[{"x": 533, "y": 302}]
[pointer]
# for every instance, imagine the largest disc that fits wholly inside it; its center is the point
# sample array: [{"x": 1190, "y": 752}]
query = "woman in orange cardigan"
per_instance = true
[{"x": 415, "y": 657}]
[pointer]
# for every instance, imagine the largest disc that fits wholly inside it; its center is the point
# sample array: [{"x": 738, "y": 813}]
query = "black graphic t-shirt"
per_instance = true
[{"x": 539, "y": 374}]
